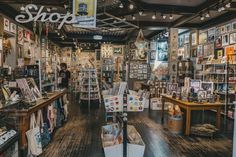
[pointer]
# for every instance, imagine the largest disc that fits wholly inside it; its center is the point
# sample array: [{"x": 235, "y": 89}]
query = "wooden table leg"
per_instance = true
[
  {"x": 162, "y": 113},
  {"x": 188, "y": 121},
  {"x": 218, "y": 116},
  {"x": 24, "y": 127}
]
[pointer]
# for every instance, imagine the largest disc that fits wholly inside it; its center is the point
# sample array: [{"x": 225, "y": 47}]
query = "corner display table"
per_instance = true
[
  {"x": 24, "y": 116},
  {"x": 189, "y": 106}
]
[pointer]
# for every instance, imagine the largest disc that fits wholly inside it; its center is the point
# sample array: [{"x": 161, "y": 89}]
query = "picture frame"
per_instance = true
[
  {"x": 186, "y": 38},
  {"x": 195, "y": 84},
  {"x": 218, "y": 42},
  {"x": 219, "y": 53},
  {"x": 162, "y": 51},
  {"x": 118, "y": 50},
  {"x": 218, "y": 31},
  {"x": 172, "y": 87},
  {"x": 20, "y": 36},
  {"x": 200, "y": 51},
  {"x": 211, "y": 35},
  {"x": 153, "y": 55},
  {"x": 223, "y": 29},
  {"x": 1, "y": 43},
  {"x": 234, "y": 26},
  {"x": 6, "y": 25},
  {"x": 229, "y": 53},
  {"x": 232, "y": 38},
  {"x": 225, "y": 39},
  {"x": 208, "y": 49},
  {"x": 203, "y": 37},
  {"x": 13, "y": 28},
  {"x": 228, "y": 28},
  {"x": 181, "y": 41},
  {"x": 194, "y": 39},
  {"x": 194, "y": 52},
  {"x": 208, "y": 87}
]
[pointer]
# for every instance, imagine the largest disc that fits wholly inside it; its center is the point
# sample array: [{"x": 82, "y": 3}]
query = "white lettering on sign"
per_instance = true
[{"x": 42, "y": 16}]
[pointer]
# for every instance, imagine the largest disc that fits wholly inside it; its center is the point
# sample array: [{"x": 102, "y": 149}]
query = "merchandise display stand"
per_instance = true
[{"x": 89, "y": 86}]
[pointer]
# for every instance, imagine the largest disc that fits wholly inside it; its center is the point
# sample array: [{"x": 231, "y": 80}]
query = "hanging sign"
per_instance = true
[
  {"x": 45, "y": 16},
  {"x": 85, "y": 12}
]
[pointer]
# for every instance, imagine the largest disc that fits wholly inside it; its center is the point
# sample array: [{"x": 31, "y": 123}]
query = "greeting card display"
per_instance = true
[
  {"x": 135, "y": 103},
  {"x": 113, "y": 103}
]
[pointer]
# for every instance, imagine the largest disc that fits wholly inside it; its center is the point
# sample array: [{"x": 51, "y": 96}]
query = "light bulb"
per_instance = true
[
  {"x": 171, "y": 17},
  {"x": 228, "y": 5},
  {"x": 22, "y": 8},
  {"x": 121, "y": 5},
  {"x": 133, "y": 17},
  {"x": 131, "y": 6},
  {"x": 164, "y": 16},
  {"x": 201, "y": 18},
  {"x": 49, "y": 9},
  {"x": 140, "y": 13},
  {"x": 208, "y": 15},
  {"x": 222, "y": 8}
]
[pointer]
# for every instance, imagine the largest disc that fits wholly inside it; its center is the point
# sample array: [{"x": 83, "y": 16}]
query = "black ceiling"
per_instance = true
[{"x": 185, "y": 13}]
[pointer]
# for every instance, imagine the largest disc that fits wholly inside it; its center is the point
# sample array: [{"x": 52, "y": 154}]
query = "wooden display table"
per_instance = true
[
  {"x": 189, "y": 106},
  {"x": 24, "y": 116}
]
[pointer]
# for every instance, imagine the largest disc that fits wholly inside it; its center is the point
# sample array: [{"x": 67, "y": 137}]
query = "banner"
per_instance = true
[{"x": 85, "y": 12}]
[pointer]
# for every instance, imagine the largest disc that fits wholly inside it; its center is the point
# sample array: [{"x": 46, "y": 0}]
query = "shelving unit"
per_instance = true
[
  {"x": 89, "y": 86},
  {"x": 224, "y": 84}
]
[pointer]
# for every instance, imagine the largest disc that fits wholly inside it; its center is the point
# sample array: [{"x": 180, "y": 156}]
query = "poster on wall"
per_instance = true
[
  {"x": 202, "y": 37},
  {"x": 200, "y": 51},
  {"x": 85, "y": 12},
  {"x": 13, "y": 28},
  {"x": 218, "y": 42},
  {"x": 218, "y": 31},
  {"x": 208, "y": 49},
  {"x": 6, "y": 25},
  {"x": 225, "y": 39},
  {"x": 181, "y": 41},
  {"x": 234, "y": 26},
  {"x": 232, "y": 38},
  {"x": 211, "y": 35},
  {"x": 117, "y": 50},
  {"x": 228, "y": 28},
  {"x": 229, "y": 52},
  {"x": 186, "y": 38},
  {"x": 194, "y": 38},
  {"x": 162, "y": 51},
  {"x": 20, "y": 37}
]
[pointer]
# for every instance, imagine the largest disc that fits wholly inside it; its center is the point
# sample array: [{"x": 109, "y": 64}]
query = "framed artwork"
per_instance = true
[
  {"x": 13, "y": 28},
  {"x": 153, "y": 45},
  {"x": 219, "y": 53},
  {"x": 194, "y": 39},
  {"x": 223, "y": 29},
  {"x": 6, "y": 25},
  {"x": 200, "y": 51},
  {"x": 218, "y": 42},
  {"x": 171, "y": 87},
  {"x": 211, "y": 35},
  {"x": 229, "y": 52},
  {"x": 186, "y": 38},
  {"x": 208, "y": 49},
  {"x": 194, "y": 52},
  {"x": 162, "y": 50},
  {"x": 234, "y": 26},
  {"x": 1, "y": 44},
  {"x": 181, "y": 41},
  {"x": 228, "y": 28},
  {"x": 203, "y": 38},
  {"x": 218, "y": 31},
  {"x": 117, "y": 50},
  {"x": 196, "y": 84},
  {"x": 225, "y": 39},
  {"x": 232, "y": 38},
  {"x": 20, "y": 38},
  {"x": 153, "y": 55}
]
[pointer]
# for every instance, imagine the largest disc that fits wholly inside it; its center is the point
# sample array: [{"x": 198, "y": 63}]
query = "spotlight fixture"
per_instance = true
[
  {"x": 140, "y": 13},
  {"x": 58, "y": 33},
  {"x": 154, "y": 16},
  {"x": 222, "y": 8},
  {"x": 22, "y": 8},
  {"x": 202, "y": 18},
  {"x": 208, "y": 15},
  {"x": 133, "y": 17},
  {"x": 163, "y": 16},
  {"x": 228, "y": 5},
  {"x": 48, "y": 9},
  {"x": 121, "y": 5},
  {"x": 131, "y": 6},
  {"x": 171, "y": 17}
]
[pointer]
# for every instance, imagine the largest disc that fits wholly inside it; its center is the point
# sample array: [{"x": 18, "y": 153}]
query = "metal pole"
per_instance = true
[{"x": 125, "y": 135}]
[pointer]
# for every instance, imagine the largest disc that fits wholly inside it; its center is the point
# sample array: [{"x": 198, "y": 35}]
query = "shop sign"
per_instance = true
[
  {"x": 44, "y": 16},
  {"x": 85, "y": 13}
]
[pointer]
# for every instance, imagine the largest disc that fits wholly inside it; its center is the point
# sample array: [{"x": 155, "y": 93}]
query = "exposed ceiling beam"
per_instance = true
[{"x": 199, "y": 10}]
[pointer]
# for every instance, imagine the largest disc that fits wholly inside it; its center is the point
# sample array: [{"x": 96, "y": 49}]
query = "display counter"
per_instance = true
[
  {"x": 24, "y": 116},
  {"x": 190, "y": 106}
]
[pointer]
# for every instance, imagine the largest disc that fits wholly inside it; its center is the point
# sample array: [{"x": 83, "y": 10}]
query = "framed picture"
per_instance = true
[
  {"x": 117, "y": 50},
  {"x": 153, "y": 45},
  {"x": 225, "y": 39},
  {"x": 194, "y": 52},
  {"x": 219, "y": 53},
  {"x": 20, "y": 38},
  {"x": 195, "y": 84},
  {"x": 218, "y": 42},
  {"x": 234, "y": 26},
  {"x": 200, "y": 51},
  {"x": 6, "y": 25},
  {"x": 181, "y": 41},
  {"x": 13, "y": 28},
  {"x": 162, "y": 50},
  {"x": 223, "y": 29},
  {"x": 171, "y": 87},
  {"x": 232, "y": 38},
  {"x": 1, "y": 44},
  {"x": 194, "y": 39},
  {"x": 218, "y": 31},
  {"x": 153, "y": 55},
  {"x": 186, "y": 38},
  {"x": 228, "y": 28},
  {"x": 211, "y": 35},
  {"x": 208, "y": 87},
  {"x": 208, "y": 49},
  {"x": 203, "y": 38},
  {"x": 229, "y": 52}
]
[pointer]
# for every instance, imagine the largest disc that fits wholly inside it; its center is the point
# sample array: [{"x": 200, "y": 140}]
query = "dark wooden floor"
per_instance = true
[{"x": 80, "y": 137}]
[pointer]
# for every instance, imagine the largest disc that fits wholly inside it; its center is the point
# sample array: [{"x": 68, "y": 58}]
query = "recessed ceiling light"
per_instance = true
[
  {"x": 171, "y": 17},
  {"x": 121, "y": 5},
  {"x": 131, "y": 6}
]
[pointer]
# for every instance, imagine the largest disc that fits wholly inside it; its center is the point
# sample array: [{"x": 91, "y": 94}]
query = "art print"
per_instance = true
[
  {"x": 194, "y": 38},
  {"x": 6, "y": 25},
  {"x": 218, "y": 42},
  {"x": 211, "y": 35},
  {"x": 162, "y": 50},
  {"x": 203, "y": 38},
  {"x": 225, "y": 39},
  {"x": 232, "y": 38}
]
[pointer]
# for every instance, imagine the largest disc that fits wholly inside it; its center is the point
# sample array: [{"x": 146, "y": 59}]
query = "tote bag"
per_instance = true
[
  {"x": 34, "y": 138},
  {"x": 44, "y": 131}
]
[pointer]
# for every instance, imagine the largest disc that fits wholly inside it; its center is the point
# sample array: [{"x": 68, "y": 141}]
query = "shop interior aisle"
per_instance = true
[{"x": 80, "y": 137}]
